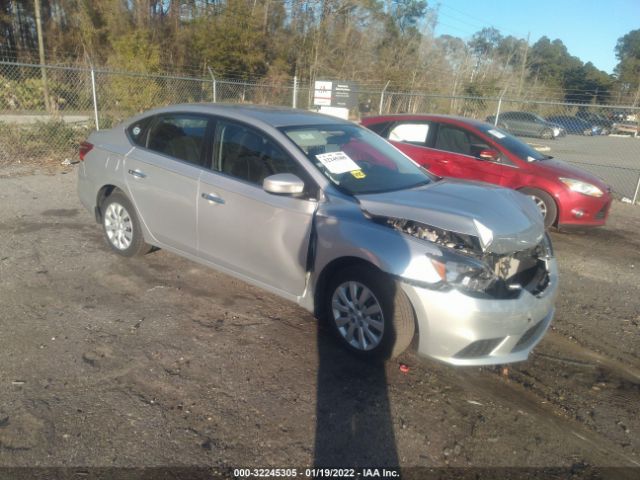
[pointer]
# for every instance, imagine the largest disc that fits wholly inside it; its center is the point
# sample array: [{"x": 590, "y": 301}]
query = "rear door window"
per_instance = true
[{"x": 180, "y": 136}]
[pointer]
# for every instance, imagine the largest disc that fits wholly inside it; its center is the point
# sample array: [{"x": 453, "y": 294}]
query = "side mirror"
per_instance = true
[
  {"x": 491, "y": 155},
  {"x": 283, "y": 184}
]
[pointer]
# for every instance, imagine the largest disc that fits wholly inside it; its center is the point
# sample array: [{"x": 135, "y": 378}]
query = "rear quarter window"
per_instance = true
[{"x": 137, "y": 131}]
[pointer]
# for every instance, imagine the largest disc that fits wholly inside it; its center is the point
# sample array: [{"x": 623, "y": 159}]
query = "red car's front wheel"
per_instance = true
[{"x": 545, "y": 204}]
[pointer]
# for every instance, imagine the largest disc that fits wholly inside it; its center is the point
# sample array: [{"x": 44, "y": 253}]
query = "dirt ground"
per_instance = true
[{"x": 157, "y": 361}]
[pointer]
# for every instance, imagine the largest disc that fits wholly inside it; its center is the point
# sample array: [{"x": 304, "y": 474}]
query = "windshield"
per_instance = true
[
  {"x": 357, "y": 160},
  {"x": 513, "y": 144}
]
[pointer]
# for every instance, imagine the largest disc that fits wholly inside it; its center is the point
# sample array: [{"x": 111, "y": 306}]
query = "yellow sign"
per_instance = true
[{"x": 358, "y": 174}]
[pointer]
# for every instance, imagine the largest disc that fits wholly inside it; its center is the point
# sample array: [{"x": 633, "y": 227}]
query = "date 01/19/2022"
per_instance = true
[{"x": 316, "y": 472}]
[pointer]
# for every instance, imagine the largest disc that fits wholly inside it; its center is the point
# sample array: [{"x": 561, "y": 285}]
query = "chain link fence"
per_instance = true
[{"x": 45, "y": 111}]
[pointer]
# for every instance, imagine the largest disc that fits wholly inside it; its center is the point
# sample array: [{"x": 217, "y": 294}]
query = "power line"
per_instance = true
[{"x": 481, "y": 20}]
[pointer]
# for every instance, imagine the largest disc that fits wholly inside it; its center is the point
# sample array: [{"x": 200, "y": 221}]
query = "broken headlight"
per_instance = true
[{"x": 463, "y": 272}]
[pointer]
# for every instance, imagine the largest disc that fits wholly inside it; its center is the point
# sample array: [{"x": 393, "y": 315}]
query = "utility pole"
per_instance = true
[
  {"x": 523, "y": 68},
  {"x": 43, "y": 70}
]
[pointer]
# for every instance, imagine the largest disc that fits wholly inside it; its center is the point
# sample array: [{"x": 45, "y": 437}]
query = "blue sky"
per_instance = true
[{"x": 589, "y": 28}]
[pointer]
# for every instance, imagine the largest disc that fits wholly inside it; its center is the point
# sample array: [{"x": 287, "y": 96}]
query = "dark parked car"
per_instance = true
[
  {"x": 526, "y": 124},
  {"x": 577, "y": 125},
  {"x": 595, "y": 119}
]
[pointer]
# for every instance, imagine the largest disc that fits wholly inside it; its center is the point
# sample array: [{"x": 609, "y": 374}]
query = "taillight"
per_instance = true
[{"x": 85, "y": 147}]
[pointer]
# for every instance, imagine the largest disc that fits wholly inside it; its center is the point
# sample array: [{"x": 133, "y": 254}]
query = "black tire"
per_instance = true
[
  {"x": 129, "y": 223},
  {"x": 547, "y": 134},
  {"x": 551, "y": 209},
  {"x": 396, "y": 313}
]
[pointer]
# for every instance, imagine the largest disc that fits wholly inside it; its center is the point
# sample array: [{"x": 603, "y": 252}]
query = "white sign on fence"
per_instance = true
[{"x": 322, "y": 94}]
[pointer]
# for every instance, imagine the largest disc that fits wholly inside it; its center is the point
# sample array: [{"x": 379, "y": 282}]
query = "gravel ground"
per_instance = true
[{"x": 157, "y": 361}]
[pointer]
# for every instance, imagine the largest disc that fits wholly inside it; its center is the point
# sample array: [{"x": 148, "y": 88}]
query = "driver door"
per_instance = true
[
  {"x": 462, "y": 150},
  {"x": 242, "y": 228}
]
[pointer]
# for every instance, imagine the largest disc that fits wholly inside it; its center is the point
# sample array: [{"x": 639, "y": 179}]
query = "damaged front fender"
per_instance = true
[{"x": 342, "y": 231}]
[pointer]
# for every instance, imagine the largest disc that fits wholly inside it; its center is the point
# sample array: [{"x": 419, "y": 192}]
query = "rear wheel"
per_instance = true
[
  {"x": 369, "y": 313},
  {"x": 545, "y": 204},
  {"x": 121, "y": 226},
  {"x": 547, "y": 134}
]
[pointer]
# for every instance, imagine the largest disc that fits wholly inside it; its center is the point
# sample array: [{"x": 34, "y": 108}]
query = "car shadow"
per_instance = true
[{"x": 354, "y": 427}]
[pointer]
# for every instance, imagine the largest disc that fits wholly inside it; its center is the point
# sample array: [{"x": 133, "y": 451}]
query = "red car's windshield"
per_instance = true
[{"x": 512, "y": 144}]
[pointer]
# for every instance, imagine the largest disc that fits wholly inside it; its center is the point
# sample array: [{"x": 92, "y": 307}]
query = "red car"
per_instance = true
[{"x": 465, "y": 148}]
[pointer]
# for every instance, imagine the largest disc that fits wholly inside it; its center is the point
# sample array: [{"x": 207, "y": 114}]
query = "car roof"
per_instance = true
[
  {"x": 424, "y": 116},
  {"x": 269, "y": 115}
]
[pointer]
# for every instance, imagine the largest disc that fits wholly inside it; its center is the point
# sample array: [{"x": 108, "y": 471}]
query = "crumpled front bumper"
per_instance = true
[{"x": 461, "y": 330}]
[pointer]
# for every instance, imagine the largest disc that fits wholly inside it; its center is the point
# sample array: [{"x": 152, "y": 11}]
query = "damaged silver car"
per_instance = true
[{"x": 329, "y": 215}]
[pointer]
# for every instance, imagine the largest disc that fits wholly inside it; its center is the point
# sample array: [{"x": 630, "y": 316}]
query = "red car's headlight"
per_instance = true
[{"x": 581, "y": 187}]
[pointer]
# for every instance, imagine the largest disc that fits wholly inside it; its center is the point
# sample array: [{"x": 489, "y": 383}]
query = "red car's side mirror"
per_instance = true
[{"x": 489, "y": 155}]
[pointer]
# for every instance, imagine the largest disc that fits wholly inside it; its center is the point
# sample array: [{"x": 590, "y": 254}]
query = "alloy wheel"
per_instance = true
[
  {"x": 541, "y": 205},
  {"x": 358, "y": 315},
  {"x": 118, "y": 226}
]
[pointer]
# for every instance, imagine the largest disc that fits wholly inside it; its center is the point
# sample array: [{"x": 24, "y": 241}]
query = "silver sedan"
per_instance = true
[{"x": 327, "y": 214}]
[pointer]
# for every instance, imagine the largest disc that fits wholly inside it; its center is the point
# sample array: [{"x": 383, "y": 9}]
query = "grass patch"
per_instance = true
[{"x": 40, "y": 143}]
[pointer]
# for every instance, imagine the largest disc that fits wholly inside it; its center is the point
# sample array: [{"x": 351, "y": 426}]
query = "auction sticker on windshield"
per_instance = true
[
  {"x": 497, "y": 134},
  {"x": 337, "y": 162}
]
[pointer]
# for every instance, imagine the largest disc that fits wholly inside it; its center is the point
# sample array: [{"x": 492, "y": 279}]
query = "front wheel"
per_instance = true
[
  {"x": 121, "y": 226},
  {"x": 369, "y": 312},
  {"x": 545, "y": 204}
]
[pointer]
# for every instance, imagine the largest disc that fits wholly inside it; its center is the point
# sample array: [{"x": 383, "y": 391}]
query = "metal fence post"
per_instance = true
[
  {"x": 213, "y": 84},
  {"x": 495, "y": 122},
  {"x": 294, "y": 102},
  {"x": 635, "y": 195},
  {"x": 95, "y": 97},
  {"x": 382, "y": 97}
]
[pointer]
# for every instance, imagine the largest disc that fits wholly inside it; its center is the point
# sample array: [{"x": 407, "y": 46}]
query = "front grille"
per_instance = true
[
  {"x": 603, "y": 212},
  {"x": 529, "y": 337},
  {"x": 479, "y": 348}
]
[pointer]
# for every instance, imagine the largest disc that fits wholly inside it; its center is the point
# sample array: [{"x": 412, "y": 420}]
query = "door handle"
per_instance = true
[
  {"x": 137, "y": 173},
  {"x": 210, "y": 197}
]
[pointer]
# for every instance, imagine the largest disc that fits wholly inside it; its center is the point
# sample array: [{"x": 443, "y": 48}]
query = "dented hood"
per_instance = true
[{"x": 468, "y": 208}]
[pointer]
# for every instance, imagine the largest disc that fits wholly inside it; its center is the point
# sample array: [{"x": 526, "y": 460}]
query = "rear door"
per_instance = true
[
  {"x": 259, "y": 235},
  {"x": 462, "y": 148},
  {"x": 534, "y": 125},
  {"x": 516, "y": 122},
  {"x": 162, "y": 173}
]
